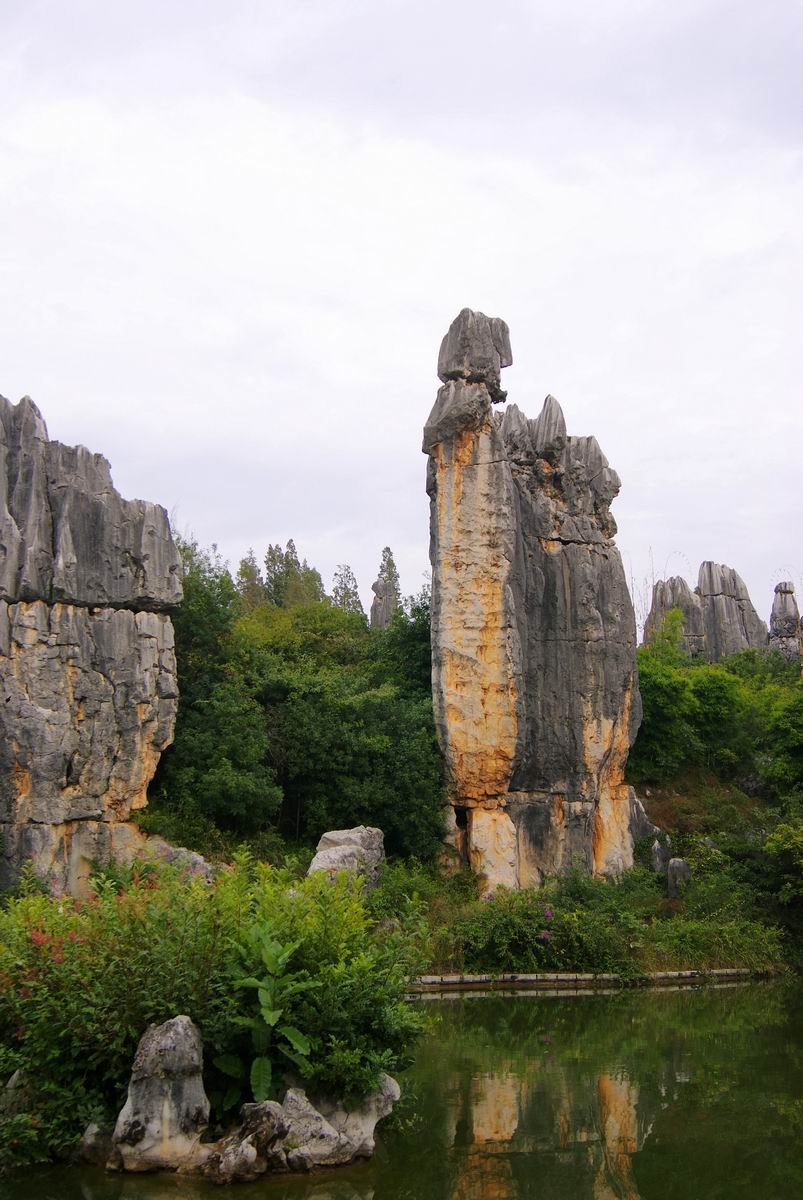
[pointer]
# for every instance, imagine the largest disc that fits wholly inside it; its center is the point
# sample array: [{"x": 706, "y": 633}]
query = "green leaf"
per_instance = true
[
  {"x": 233, "y": 1094},
  {"x": 260, "y": 1036},
  {"x": 249, "y": 981},
  {"x": 266, "y": 997},
  {"x": 231, "y": 1065},
  {"x": 261, "y": 1075},
  {"x": 271, "y": 1015},
  {"x": 296, "y": 1038}
]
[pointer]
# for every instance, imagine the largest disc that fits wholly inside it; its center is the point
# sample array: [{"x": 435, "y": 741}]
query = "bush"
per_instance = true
[{"x": 80, "y": 982}]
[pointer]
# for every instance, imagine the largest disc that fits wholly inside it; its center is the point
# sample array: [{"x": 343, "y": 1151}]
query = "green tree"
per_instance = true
[
  {"x": 345, "y": 593},
  {"x": 289, "y": 581},
  {"x": 250, "y": 582}
]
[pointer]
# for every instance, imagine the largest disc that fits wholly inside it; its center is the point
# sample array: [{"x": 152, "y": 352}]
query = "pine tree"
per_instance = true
[
  {"x": 250, "y": 582},
  {"x": 290, "y": 582},
  {"x": 345, "y": 593}
]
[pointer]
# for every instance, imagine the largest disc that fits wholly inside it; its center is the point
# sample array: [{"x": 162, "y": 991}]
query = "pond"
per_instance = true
[{"x": 635, "y": 1096}]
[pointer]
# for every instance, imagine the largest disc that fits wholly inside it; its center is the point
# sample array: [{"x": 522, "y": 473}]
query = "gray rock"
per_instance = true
[
  {"x": 96, "y": 1145},
  {"x": 252, "y": 1149},
  {"x": 660, "y": 854},
  {"x": 676, "y": 593},
  {"x": 69, "y": 535},
  {"x": 731, "y": 622},
  {"x": 718, "y": 617},
  {"x": 310, "y": 1140},
  {"x": 678, "y": 874},
  {"x": 166, "y": 1112},
  {"x": 785, "y": 627},
  {"x": 384, "y": 604},
  {"x": 533, "y": 631},
  {"x": 87, "y": 659},
  {"x": 475, "y": 348},
  {"x": 358, "y": 1124},
  {"x": 361, "y": 850}
]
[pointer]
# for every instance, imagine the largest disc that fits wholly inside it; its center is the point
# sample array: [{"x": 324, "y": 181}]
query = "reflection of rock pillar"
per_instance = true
[
  {"x": 619, "y": 1129},
  {"x": 486, "y": 1173}
]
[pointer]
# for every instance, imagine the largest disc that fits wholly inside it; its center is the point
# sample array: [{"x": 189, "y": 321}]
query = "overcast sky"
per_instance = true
[{"x": 232, "y": 235}]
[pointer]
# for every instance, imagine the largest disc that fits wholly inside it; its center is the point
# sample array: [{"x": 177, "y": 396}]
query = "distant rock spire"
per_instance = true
[{"x": 785, "y": 627}]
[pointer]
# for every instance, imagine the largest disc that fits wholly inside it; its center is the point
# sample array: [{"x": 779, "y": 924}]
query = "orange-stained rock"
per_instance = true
[{"x": 533, "y": 632}]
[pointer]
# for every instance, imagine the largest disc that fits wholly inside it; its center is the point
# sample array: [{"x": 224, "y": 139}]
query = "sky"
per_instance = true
[{"x": 232, "y": 235}]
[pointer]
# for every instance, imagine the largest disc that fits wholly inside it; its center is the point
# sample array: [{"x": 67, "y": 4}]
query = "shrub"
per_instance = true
[{"x": 80, "y": 982}]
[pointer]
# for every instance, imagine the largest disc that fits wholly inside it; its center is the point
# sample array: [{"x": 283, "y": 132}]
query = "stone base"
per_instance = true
[
  {"x": 527, "y": 838},
  {"x": 65, "y": 855}
]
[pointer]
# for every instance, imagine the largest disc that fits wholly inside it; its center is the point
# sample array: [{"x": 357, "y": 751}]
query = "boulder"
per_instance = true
[
  {"x": 87, "y": 656},
  {"x": 252, "y": 1149},
  {"x": 678, "y": 874},
  {"x": 166, "y": 1112},
  {"x": 533, "y": 631},
  {"x": 360, "y": 850},
  {"x": 785, "y": 628},
  {"x": 358, "y": 1124},
  {"x": 660, "y": 855}
]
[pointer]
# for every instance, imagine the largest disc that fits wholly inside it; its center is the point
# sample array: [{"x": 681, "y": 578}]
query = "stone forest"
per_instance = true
[{"x": 248, "y": 835}]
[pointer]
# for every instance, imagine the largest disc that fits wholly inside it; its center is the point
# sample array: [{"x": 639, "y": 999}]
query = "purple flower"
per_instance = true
[
  {"x": 548, "y": 914},
  {"x": 545, "y": 935}
]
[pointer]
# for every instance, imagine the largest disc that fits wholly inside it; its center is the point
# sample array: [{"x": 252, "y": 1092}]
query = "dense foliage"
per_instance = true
[
  {"x": 582, "y": 924},
  {"x": 80, "y": 981},
  {"x": 294, "y": 715}
]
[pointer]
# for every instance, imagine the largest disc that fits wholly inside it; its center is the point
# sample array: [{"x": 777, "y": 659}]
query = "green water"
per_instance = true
[{"x": 687, "y": 1095}]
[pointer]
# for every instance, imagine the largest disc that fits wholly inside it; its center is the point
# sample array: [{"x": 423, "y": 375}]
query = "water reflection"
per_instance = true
[{"x": 629, "y": 1097}]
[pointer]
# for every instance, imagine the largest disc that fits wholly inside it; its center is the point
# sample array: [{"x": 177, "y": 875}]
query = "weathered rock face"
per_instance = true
[
  {"x": 533, "y": 631},
  {"x": 785, "y": 628},
  {"x": 361, "y": 850},
  {"x": 731, "y": 622},
  {"x": 718, "y": 617},
  {"x": 676, "y": 593},
  {"x": 87, "y": 660},
  {"x": 383, "y": 605},
  {"x": 166, "y": 1113},
  {"x": 160, "y": 1126}
]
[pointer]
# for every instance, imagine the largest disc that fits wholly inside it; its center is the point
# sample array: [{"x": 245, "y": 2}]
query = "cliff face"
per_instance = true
[
  {"x": 718, "y": 617},
  {"x": 87, "y": 662},
  {"x": 533, "y": 632}
]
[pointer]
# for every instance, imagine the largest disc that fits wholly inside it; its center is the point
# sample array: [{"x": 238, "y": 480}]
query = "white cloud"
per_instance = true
[{"x": 234, "y": 284}]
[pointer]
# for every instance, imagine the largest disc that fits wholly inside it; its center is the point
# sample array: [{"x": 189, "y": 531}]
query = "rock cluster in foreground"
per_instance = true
[
  {"x": 533, "y": 631},
  {"x": 166, "y": 1114},
  {"x": 87, "y": 659}
]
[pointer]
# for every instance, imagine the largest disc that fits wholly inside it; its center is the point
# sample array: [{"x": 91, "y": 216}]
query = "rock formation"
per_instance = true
[
  {"x": 361, "y": 850},
  {"x": 166, "y": 1113},
  {"x": 87, "y": 662},
  {"x": 785, "y": 627},
  {"x": 676, "y": 593},
  {"x": 731, "y": 622},
  {"x": 533, "y": 631},
  {"x": 383, "y": 605},
  {"x": 718, "y": 616}
]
